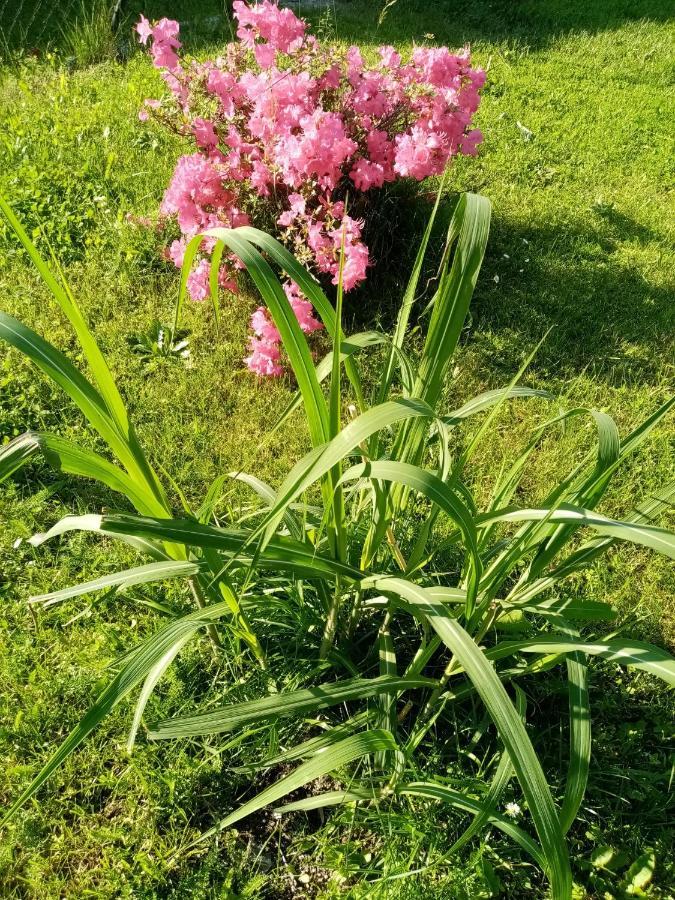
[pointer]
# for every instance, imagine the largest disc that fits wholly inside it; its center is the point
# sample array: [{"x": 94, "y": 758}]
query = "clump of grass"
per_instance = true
[
  {"x": 90, "y": 37},
  {"x": 394, "y": 566}
]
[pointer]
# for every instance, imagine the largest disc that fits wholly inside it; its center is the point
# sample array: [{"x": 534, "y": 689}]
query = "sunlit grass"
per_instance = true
[{"x": 579, "y": 208}]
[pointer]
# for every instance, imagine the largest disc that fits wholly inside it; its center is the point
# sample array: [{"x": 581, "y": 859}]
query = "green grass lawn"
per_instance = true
[{"x": 577, "y": 161}]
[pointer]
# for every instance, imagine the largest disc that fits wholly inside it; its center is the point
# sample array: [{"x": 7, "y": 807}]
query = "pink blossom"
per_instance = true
[
  {"x": 195, "y": 188},
  {"x": 164, "y": 43},
  {"x": 164, "y": 57},
  {"x": 437, "y": 65},
  {"x": 263, "y": 326},
  {"x": 166, "y": 32},
  {"x": 265, "y": 344},
  {"x": 302, "y": 308},
  {"x": 143, "y": 30},
  {"x": 356, "y": 254},
  {"x": 471, "y": 141},
  {"x": 224, "y": 85},
  {"x": 177, "y": 87},
  {"x": 367, "y": 174},
  {"x": 176, "y": 252},
  {"x": 205, "y": 133},
  {"x": 198, "y": 281},
  {"x": 370, "y": 96},
  {"x": 281, "y": 28},
  {"x": 390, "y": 58},
  {"x": 330, "y": 80},
  {"x": 264, "y": 358},
  {"x": 260, "y": 178},
  {"x": 355, "y": 65},
  {"x": 284, "y": 126},
  {"x": 319, "y": 151},
  {"x": 265, "y": 55},
  {"x": 420, "y": 154},
  {"x": 297, "y": 205}
]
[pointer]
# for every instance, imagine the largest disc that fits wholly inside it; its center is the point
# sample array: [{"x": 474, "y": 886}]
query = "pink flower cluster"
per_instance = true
[
  {"x": 285, "y": 129},
  {"x": 265, "y": 343}
]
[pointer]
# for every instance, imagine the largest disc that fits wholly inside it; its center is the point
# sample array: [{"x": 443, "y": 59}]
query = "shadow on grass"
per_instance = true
[
  {"x": 604, "y": 315},
  {"x": 527, "y": 22},
  {"x": 33, "y": 25},
  {"x": 569, "y": 279}
]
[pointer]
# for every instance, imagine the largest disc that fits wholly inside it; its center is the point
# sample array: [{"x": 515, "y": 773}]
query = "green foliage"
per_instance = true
[
  {"x": 90, "y": 37},
  {"x": 367, "y": 557},
  {"x": 160, "y": 343},
  {"x": 581, "y": 241}
]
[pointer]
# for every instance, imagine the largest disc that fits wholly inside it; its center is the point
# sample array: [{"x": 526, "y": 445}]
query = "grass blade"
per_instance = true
[
  {"x": 433, "y": 791},
  {"x": 507, "y": 721},
  {"x": 136, "y": 669},
  {"x": 148, "y": 574},
  {"x": 333, "y": 758},
  {"x": 295, "y": 703}
]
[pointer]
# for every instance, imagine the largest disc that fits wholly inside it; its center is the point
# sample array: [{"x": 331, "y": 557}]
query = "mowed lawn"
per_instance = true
[{"x": 578, "y": 163}]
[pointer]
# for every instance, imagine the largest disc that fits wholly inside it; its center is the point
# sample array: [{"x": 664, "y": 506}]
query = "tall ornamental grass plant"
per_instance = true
[{"x": 374, "y": 549}]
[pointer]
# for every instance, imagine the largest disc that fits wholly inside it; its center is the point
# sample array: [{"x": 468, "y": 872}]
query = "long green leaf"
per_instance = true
[
  {"x": 433, "y": 791},
  {"x": 92, "y": 522},
  {"x": 348, "y": 347},
  {"x": 471, "y": 223},
  {"x": 136, "y": 669},
  {"x": 59, "y": 368},
  {"x": 407, "y": 302},
  {"x": 299, "y": 702},
  {"x": 332, "y": 759},
  {"x": 580, "y": 738},
  {"x": 503, "y": 775},
  {"x": 432, "y": 487},
  {"x": 294, "y": 341},
  {"x": 158, "y": 571},
  {"x": 330, "y": 798},
  {"x": 507, "y": 721},
  {"x": 309, "y": 287},
  {"x": 624, "y": 651},
  {"x": 16, "y": 453},
  {"x": 658, "y": 539},
  {"x": 644, "y": 513},
  {"x": 268, "y": 494},
  {"x": 488, "y": 399},
  {"x": 112, "y": 399},
  {"x": 66, "y": 456},
  {"x": 281, "y": 553},
  {"x": 322, "y": 459},
  {"x": 314, "y": 745},
  {"x": 151, "y": 681},
  {"x": 110, "y": 396}
]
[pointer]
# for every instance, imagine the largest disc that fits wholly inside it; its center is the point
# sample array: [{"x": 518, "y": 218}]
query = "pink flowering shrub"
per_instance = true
[{"x": 285, "y": 128}]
